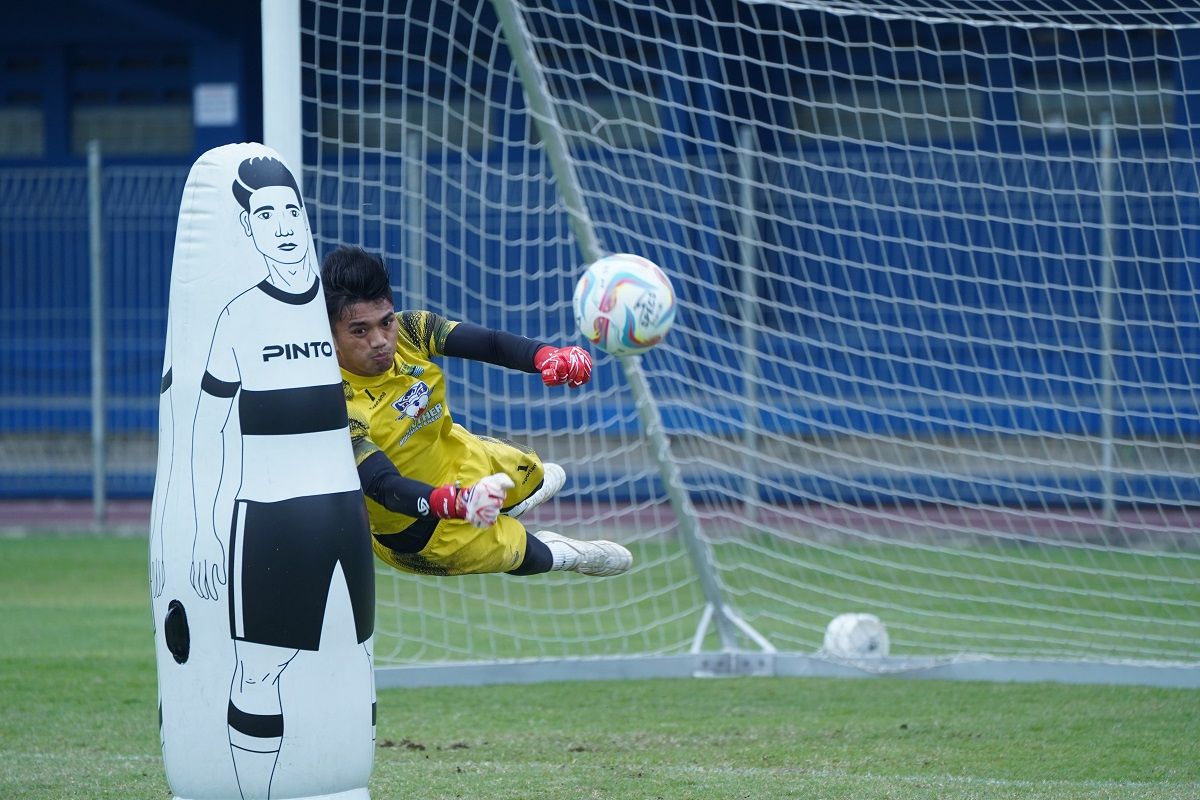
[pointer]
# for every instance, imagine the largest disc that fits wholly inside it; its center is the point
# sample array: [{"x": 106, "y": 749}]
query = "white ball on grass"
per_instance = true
[{"x": 856, "y": 636}]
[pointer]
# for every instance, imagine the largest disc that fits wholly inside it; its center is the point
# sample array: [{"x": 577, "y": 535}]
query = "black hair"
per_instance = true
[
  {"x": 255, "y": 173},
  {"x": 352, "y": 275}
]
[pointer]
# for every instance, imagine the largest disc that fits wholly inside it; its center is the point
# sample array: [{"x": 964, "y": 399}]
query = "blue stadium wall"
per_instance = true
[{"x": 943, "y": 348}]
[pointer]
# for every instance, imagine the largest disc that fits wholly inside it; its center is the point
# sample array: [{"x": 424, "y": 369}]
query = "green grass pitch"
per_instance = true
[{"x": 77, "y": 720}]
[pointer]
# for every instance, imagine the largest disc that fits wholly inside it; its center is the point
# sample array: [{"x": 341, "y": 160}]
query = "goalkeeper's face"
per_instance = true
[{"x": 365, "y": 337}]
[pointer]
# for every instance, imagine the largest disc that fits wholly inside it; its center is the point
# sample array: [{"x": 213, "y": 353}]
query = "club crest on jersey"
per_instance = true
[{"x": 414, "y": 401}]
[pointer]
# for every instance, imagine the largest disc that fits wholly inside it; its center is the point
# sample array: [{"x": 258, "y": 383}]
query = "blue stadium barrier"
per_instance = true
[{"x": 1042, "y": 374}]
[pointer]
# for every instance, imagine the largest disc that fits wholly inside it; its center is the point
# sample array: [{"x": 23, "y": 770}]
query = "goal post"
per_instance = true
[
  {"x": 938, "y": 337},
  {"x": 282, "y": 121}
]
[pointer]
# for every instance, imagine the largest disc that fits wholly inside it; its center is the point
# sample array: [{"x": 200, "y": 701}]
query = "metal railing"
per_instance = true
[{"x": 85, "y": 260}]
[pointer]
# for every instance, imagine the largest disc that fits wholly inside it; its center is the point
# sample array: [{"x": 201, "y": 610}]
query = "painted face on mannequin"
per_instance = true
[{"x": 277, "y": 223}]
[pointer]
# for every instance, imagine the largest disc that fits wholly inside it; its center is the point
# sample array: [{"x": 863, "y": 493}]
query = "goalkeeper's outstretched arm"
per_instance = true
[
  {"x": 557, "y": 365},
  {"x": 477, "y": 343}
]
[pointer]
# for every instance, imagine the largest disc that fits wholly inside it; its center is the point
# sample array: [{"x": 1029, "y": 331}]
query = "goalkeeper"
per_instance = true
[{"x": 442, "y": 500}]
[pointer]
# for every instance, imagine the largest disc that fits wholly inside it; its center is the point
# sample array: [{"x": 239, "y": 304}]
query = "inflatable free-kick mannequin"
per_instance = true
[{"x": 261, "y": 568}]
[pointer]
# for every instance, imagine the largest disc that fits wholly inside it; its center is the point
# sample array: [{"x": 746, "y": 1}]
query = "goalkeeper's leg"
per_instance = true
[
  {"x": 597, "y": 558},
  {"x": 518, "y": 462},
  {"x": 553, "y": 479}
]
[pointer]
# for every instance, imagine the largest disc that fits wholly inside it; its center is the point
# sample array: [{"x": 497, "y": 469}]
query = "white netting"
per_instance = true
[{"x": 938, "y": 339}]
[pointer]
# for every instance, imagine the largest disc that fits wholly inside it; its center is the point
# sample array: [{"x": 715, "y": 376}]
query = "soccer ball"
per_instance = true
[
  {"x": 624, "y": 304},
  {"x": 856, "y": 636}
]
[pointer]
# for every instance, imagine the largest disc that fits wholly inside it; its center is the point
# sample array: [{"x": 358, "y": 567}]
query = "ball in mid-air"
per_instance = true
[{"x": 624, "y": 304}]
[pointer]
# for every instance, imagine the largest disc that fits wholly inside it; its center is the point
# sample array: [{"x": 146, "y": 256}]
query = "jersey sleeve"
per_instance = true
[
  {"x": 501, "y": 348},
  {"x": 360, "y": 435},
  {"x": 221, "y": 374},
  {"x": 425, "y": 330}
]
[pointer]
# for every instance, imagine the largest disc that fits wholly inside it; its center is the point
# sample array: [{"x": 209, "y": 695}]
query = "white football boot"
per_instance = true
[
  {"x": 553, "y": 479},
  {"x": 598, "y": 558}
]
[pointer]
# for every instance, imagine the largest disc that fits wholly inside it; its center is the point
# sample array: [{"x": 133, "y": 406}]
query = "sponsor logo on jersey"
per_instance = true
[
  {"x": 411, "y": 369},
  {"x": 295, "y": 350},
  {"x": 376, "y": 401},
  {"x": 428, "y": 418}
]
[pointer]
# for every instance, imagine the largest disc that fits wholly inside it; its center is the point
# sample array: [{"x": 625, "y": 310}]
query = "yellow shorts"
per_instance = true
[{"x": 458, "y": 547}]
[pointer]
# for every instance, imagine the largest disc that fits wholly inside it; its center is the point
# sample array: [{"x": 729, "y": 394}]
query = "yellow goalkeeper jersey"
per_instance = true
[{"x": 403, "y": 413}]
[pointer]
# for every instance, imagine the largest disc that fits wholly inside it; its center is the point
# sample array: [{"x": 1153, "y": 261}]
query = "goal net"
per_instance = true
[{"x": 937, "y": 347}]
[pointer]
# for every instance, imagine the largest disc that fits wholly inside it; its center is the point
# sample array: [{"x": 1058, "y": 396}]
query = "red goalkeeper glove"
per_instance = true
[
  {"x": 479, "y": 504},
  {"x": 558, "y": 365}
]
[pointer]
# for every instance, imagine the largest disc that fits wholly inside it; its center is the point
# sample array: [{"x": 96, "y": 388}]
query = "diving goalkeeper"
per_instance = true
[{"x": 442, "y": 500}]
